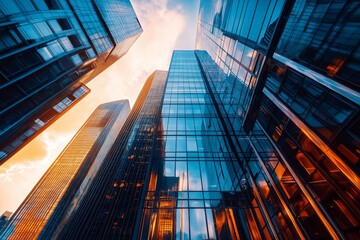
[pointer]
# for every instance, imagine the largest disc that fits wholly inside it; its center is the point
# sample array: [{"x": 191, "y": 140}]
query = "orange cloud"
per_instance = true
[{"x": 163, "y": 29}]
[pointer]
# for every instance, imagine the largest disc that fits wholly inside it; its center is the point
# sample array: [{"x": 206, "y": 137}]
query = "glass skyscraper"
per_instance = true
[
  {"x": 48, "y": 50},
  {"x": 253, "y": 135},
  {"x": 197, "y": 188},
  {"x": 112, "y": 206},
  {"x": 258, "y": 136},
  {"x": 286, "y": 78},
  {"x": 62, "y": 187}
]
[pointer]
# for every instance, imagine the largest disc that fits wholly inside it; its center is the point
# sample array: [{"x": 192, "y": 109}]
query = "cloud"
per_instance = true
[
  {"x": 24, "y": 163},
  {"x": 20, "y": 174},
  {"x": 163, "y": 29},
  {"x": 152, "y": 51}
]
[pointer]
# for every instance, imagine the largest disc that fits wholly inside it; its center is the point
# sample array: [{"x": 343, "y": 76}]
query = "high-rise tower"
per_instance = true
[
  {"x": 254, "y": 135},
  {"x": 61, "y": 188},
  {"x": 286, "y": 78},
  {"x": 112, "y": 206},
  {"x": 173, "y": 172},
  {"x": 48, "y": 51},
  {"x": 273, "y": 149}
]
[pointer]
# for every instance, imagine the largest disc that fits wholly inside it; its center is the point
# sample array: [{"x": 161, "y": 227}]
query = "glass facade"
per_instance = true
[
  {"x": 48, "y": 50},
  {"x": 61, "y": 189},
  {"x": 197, "y": 188},
  {"x": 111, "y": 206},
  {"x": 323, "y": 37},
  {"x": 253, "y": 135},
  {"x": 285, "y": 83}
]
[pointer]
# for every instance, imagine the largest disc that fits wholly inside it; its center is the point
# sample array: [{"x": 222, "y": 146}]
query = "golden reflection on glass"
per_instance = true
[{"x": 46, "y": 195}]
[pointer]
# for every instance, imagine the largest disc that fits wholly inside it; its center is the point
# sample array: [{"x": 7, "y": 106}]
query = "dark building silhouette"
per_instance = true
[
  {"x": 61, "y": 189},
  {"x": 48, "y": 50}
]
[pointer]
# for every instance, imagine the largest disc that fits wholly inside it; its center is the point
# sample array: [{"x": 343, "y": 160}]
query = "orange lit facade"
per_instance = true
[
  {"x": 110, "y": 209},
  {"x": 61, "y": 189}
]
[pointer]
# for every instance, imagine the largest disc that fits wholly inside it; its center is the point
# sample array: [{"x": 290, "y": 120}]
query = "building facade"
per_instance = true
[
  {"x": 173, "y": 172},
  {"x": 255, "y": 139},
  {"x": 48, "y": 50},
  {"x": 110, "y": 209},
  {"x": 286, "y": 78},
  {"x": 61, "y": 189},
  {"x": 197, "y": 187},
  {"x": 253, "y": 135}
]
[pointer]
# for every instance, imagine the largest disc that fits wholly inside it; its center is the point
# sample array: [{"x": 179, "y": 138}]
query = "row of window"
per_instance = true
[
  {"x": 13, "y": 7},
  {"x": 333, "y": 190},
  {"x": 305, "y": 39},
  {"x": 324, "y": 111}
]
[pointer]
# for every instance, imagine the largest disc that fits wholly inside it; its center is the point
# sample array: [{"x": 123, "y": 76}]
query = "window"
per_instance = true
[
  {"x": 64, "y": 24},
  {"x": 55, "y": 26},
  {"x": 8, "y": 39},
  {"x": 52, "y": 4},
  {"x": 10, "y": 7},
  {"x": 55, "y": 48},
  {"x": 29, "y": 32},
  {"x": 44, "y": 53},
  {"x": 76, "y": 59},
  {"x": 43, "y": 29},
  {"x": 75, "y": 41},
  {"x": 66, "y": 44}
]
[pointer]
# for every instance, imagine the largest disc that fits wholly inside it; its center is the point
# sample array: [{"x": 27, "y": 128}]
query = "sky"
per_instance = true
[{"x": 167, "y": 25}]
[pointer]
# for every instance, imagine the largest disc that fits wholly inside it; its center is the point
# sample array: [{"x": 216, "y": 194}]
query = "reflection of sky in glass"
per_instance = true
[
  {"x": 196, "y": 154},
  {"x": 186, "y": 117}
]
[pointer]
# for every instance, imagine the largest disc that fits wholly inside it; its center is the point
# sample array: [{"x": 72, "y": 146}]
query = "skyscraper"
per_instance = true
[
  {"x": 4, "y": 218},
  {"x": 243, "y": 138},
  {"x": 287, "y": 84},
  {"x": 258, "y": 136},
  {"x": 111, "y": 205},
  {"x": 48, "y": 50},
  {"x": 174, "y": 171},
  {"x": 61, "y": 189}
]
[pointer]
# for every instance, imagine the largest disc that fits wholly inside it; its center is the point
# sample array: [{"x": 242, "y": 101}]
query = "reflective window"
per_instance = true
[
  {"x": 317, "y": 172},
  {"x": 65, "y": 42},
  {"x": 29, "y": 32},
  {"x": 198, "y": 181},
  {"x": 45, "y": 54},
  {"x": 307, "y": 38},
  {"x": 10, "y": 7}
]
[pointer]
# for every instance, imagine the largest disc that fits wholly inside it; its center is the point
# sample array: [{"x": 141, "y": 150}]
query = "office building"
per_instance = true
[
  {"x": 48, "y": 50},
  {"x": 173, "y": 172},
  {"x": 258, "y": 135},
  {"x": 286, "y": 78},
  {"x": 253, "y": 135},
  {"x": 111, "y": 205},
  {"x": 60, "y": 190}
]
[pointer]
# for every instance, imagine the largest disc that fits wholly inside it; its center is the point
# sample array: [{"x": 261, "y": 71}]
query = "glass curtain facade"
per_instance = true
[
  {"x": 111, "y": 206},
  {"x": 197, "y": 188},
  {"x": 61, "y": 189},
  {"x": 286, "y": 83},
  {"x": 244, "y": 138},
  {"x": 48, "y": 50}
]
